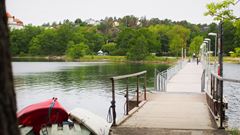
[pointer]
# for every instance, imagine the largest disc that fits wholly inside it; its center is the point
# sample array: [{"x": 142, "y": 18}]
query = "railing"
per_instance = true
[
  {"x": 113, "y": 79},
  {"x": 215, "y": 99},
  {"x": 161, "y": 78},
  {"x": 203, "y": 81}
]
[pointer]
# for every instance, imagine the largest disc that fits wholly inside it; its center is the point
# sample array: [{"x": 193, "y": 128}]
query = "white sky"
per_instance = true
[{"x": 37, "y": 12}]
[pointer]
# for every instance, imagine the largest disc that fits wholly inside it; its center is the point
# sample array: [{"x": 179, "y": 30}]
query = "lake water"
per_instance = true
[
  {"x": 87, "y": 85},
  {"x": 232, "y": 94},
  {"x": 76, "y": 84}
]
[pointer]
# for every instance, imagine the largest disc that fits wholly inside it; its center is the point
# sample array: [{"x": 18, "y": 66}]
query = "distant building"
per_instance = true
[
  {"x": 92, "y": 22},
  {"x": 13, "y": 22},
  {"x": 100, "y": 52}
]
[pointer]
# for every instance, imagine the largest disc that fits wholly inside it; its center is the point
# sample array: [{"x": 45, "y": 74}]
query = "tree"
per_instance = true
[
  {"x": 153, "y": 45},
  {"x": 179, "y": 36},
  {"x": 21, "y": 38},
  {"x": 195, "y": 44},
  {"x": 46, "y": 43},
  {"x": 75, "y": 51},
  {"x": 138, "y": 49},
  {"x": 8, "y": 120},
  {"x": 109, "y": 47},
  {"x": 123, "y": 40},
  {"x": 220, "y": 10}
]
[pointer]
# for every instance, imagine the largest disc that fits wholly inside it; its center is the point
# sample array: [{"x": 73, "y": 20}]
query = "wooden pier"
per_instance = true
[{"x": 181, "y": 110}]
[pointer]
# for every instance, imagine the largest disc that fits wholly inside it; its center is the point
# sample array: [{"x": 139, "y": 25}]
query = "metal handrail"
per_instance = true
[
  {"x": 215, "y": 99},
  {"x": 113, "y": 79},
  {"x": 162, "y": 78},
  {"x": 225, "y": 79}
]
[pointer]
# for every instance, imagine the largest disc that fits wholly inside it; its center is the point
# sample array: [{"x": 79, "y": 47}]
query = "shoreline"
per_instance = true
[{"x": 96, "y": 58}]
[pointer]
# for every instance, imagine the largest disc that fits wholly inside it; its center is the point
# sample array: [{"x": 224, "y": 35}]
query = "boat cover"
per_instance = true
[{"x": 41, "y": 114}]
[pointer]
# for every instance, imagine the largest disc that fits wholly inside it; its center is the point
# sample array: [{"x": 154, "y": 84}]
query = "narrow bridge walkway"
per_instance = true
[{"x": 180, "y": 110}]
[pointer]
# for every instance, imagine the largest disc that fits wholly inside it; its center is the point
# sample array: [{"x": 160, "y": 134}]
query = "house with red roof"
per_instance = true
[{"x": 13, "y": 22}]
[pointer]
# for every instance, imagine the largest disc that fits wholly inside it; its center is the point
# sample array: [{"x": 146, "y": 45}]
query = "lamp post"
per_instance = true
[{"x": 215, "y": 51}]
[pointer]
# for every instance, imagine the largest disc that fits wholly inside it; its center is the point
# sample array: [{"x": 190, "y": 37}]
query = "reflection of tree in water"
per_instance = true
[{"x": 86, "y": 77}]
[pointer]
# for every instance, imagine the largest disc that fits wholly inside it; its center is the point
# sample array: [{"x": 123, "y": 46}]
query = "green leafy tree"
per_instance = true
[
  {"x": 195, "y": 44},
  {"x": 138, "y": 49},
  {"x": 151, "y": 38},
  {"x": 179, "y": 36},
  {"x": 46, "y": 43},
  {"x": 109, "y": 47},
  {"x": 75, "y": 51},
  {"x": 220, "y": 10},
  {"x": 20, "y": 38},
  {"x": 123, "y": 40}
]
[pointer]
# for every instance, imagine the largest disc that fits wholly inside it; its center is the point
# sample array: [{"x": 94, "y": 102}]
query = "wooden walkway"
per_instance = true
[{"x": 181, "y": 110}]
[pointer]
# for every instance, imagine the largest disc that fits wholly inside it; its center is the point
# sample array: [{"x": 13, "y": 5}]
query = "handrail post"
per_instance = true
[
  {"x": 145, "y": 87},
  {"x": 113, "y": 103},
  {"x": 127, "y": 99},
  {"x": 137, "y": 90}
]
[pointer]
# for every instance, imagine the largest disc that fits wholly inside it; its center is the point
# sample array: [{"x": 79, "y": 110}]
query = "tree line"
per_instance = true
[{"x": 128, "y": 36}]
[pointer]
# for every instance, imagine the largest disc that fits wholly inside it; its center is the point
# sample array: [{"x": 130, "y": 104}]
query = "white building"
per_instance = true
[
  {"x": 92, "y": 22},
  {"x": 13, "y": 22}
]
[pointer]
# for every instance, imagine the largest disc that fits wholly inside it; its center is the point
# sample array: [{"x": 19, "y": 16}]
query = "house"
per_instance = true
[
  {"x": 13, "y": 22},
  {"x": 92, "y": 22}
]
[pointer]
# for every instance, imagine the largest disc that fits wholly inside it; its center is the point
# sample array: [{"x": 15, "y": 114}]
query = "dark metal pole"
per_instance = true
[
  {"x": 137, "y": 90},
  {"x": 113, "y": 103},
  {"x": 145, "y": 87},
  {"x": 127, "y": 99},
  {"x": 221, "y": 73}
]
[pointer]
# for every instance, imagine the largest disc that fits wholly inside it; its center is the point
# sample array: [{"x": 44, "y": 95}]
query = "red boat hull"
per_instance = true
[{"x": 42, "y": 114}]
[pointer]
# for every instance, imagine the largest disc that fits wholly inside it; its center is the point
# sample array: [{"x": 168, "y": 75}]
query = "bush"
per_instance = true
[{"x": 76, "y": 51}]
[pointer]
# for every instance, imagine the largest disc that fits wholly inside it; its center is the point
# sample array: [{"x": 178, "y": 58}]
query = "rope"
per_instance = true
[
  {"x": 50, "y": 109},
  {"x": 109, "y": 115},
  {"x": 125, "y": 108}
]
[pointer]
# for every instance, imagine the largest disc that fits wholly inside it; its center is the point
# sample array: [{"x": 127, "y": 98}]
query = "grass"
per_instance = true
[
  {"x": 234, "y": 132},
  {"x": 232, "y": 60},
  {"x": 102, "y": 58},
  {"x": 228, "y": 59}
]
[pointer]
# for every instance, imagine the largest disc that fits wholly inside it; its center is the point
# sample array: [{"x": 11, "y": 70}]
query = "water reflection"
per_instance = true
[{"x": 76, "y": 84}]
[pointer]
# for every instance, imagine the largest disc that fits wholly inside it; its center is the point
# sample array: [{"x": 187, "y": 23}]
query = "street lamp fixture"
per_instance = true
[
  {"x": 215, "y": 51},
  {"x": 212, "y": 34}
]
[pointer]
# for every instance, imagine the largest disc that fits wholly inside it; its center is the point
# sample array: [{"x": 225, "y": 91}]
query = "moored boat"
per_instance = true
[{"x": 50, "y": 118}]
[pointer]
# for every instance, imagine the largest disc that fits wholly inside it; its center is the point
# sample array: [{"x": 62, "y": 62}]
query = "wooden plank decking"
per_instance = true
[{"x": 180, "y": 110}]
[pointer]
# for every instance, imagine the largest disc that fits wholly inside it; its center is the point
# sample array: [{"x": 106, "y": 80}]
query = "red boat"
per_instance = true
[
  {"x": 50, "y": 118},
  {"x": 42, "y": 114}
]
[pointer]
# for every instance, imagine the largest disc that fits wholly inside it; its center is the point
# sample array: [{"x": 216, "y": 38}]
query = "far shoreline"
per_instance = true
[{"x": 97, "y": 58}]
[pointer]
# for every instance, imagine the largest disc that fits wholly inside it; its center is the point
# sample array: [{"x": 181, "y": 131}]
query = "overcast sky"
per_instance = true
[{"x": 37, "y": 12}]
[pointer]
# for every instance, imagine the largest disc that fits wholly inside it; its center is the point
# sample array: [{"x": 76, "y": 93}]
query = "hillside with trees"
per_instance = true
[{"x": 135, "y": 38}]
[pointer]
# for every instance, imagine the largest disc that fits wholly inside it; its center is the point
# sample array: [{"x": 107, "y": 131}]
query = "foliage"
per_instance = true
[
  {"x": 118, "y": 36},
  {"x": 195, "y": 44},
  {"x": 138, "y": 49},
  {"x": 75, "y": 51},
  {"x": 220, "y": 11},
  {"x": 236, "y": 52},
  {"x": 109, "y": 48},
  {"x": 20, "y": 38}
]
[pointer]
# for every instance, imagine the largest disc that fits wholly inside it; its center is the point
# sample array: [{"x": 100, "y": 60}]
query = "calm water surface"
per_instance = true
[
  {"x": 87, "y": 85},
  {"x": 232, "y": 94},
  {"x": 76, "y": 84}
]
